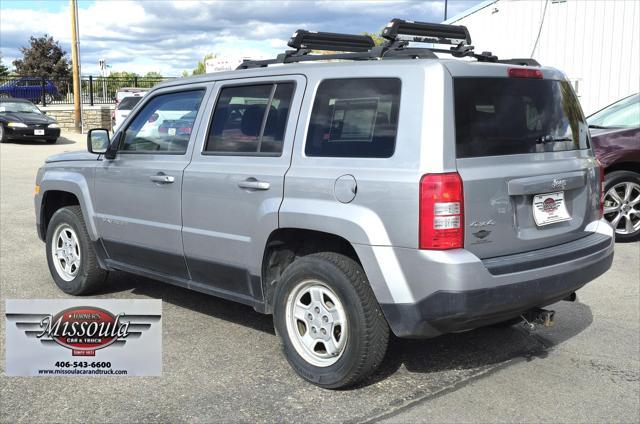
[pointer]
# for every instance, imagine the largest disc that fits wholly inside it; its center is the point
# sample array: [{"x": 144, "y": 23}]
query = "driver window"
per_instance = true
[{"x": 164, "y": 125}]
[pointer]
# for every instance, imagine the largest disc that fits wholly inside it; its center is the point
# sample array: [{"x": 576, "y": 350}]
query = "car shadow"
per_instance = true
[
  {"x": 190, "y": 299},
  {"x": 61, "y": 140},
  {"x": 474, "y": 349}
]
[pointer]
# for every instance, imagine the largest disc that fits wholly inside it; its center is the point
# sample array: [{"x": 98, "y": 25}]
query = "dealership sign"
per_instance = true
[{"x": 83, "y": 337}]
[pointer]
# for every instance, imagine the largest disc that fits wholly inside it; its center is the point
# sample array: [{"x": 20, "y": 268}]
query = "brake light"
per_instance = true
[
  {"x": 525, "y": 73},
  {"x": 441, "y": 212},
  {"x": 601, "y": 172}
]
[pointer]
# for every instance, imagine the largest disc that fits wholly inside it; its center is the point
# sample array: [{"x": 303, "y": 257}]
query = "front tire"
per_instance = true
[
  {"x": 3, "y": 134},
  {"x": 622, "y": 204},
  {"x": 332, "y": 329},
  {"x": 71, "y": 258}
]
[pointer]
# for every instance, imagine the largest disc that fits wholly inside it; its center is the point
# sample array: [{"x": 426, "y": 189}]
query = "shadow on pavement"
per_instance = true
[
  {"x": 61, "y": 140},
  {"x": 195, "y": 301},
  {"x": 468, "y": 350},
  {"x": 484, "y": 346}
]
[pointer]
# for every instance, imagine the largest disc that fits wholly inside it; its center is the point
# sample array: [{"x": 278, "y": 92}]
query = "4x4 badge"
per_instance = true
[{"x": 482, "y": 223}]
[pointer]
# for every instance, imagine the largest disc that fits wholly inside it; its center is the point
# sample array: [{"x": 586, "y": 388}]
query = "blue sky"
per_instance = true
[{"x": 169, "y": 36}]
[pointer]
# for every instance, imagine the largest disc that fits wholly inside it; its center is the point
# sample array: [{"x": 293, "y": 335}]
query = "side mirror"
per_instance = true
[{"x": 98, "y": 141}]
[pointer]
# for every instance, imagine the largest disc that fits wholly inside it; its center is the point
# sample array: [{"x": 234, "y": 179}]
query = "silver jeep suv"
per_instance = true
[{"x": 386, "y": 190}]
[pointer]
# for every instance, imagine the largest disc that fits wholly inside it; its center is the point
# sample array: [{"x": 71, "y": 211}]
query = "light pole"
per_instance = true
[
  {"x": 104, "y": 73},
  {"x": 445, "y": 9},
  {"x": 75, "y": 64}
]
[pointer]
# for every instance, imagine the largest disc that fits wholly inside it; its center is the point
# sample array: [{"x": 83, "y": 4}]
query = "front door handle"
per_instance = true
[
  {"x": 254, "y": 184},
  {"x": 162, "y": 179}
]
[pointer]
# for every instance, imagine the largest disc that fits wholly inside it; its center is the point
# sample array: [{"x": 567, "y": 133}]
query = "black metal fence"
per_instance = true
[{"x": 94, "y": 90}]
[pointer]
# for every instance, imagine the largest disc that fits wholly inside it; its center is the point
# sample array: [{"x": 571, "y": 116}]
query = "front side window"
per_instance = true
[
  {"x": 164, "y": 125},
  {"x": 354, "y": 118},
  {"x": 250, "y": 119}
]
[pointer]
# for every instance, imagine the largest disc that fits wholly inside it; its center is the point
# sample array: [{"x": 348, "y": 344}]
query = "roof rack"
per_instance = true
[
  {"x": 352, "y": 47},
  {"x": 425, "y": 32},
  {"x": 398, "y": 33},
  {"x": 302, "y": 39}
]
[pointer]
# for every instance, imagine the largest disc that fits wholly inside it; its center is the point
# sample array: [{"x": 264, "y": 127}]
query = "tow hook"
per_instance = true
[{"x": 538, "y": 316}]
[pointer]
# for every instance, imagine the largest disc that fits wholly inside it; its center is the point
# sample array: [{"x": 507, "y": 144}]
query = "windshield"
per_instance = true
[
  {"x": 622, "y": 114},
  {"x": 507, "y": 116},
  {"x": 20, "y": 107},
  {"x": 129, "y": 102}
]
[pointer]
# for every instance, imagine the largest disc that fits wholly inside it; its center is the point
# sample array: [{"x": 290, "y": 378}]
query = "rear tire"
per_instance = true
[
  {"x": 51, "y": 140},
  {"x": 74, "y": 265},
  {"x": 338, "y": 336},
  {"x": 624, "y": 213}
]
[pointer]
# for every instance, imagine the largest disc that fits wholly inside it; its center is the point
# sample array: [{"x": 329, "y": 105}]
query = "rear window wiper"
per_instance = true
[
  {"x": 551, "y": 139},
  {"x": 598, "y": 127}
]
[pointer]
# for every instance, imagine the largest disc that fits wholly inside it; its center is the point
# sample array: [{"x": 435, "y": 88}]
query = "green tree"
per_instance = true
[
  {"x": 43, "y": 58},
  {"x": 201, "y": 68},
  {"x": 376, "y": 38},
  {"x": 4, "y": 71},
  {"x": 153, "y": 74}
]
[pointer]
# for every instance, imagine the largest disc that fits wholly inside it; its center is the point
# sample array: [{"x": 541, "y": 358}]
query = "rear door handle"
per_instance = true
[
  {"x": 254, "y": 184},
  {"x": 162, "y": 179}
]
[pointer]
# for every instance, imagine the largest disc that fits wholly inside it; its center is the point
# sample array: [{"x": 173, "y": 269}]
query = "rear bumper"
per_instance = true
[{"x": 461, "y": 292}]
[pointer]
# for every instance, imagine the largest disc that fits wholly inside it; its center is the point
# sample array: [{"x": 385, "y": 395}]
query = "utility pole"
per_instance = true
[
  {"x": 445, "y": 10},
  {"x": 75, "y": 63}
]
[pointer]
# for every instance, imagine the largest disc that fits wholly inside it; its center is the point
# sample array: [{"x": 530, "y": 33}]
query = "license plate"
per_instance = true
[
  {"x": 550, "y": 208},
  {"x": 38, "y": 132}
]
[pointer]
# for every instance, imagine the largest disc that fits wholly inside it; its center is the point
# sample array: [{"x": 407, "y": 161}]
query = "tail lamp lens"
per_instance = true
[{"x": 441, "y": 212}]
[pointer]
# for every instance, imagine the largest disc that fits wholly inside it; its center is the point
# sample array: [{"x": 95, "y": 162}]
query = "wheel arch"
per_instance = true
[
  {"x": 623, "y": 166},
  {"x": 284, "y": 245},
  {"x": 60, "y": 189}
]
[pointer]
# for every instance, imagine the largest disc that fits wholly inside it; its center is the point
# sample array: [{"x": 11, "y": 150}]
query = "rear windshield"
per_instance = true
[
  {"x": 507, "y": 116},
  {"x": 129, "y": 102}
]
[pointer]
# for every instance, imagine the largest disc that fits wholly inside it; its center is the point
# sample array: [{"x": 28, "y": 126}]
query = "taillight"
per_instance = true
[
  {"x": 601, "y": 172},
  {"x": 525, "y": 73},
  {"x": 441, "y": 212}
]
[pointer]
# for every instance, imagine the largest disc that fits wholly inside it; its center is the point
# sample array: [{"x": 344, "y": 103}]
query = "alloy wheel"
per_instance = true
[
  {"x": 316, "y": 323},
  {"x": 65, "y": 251},
  {"x": 622, "y": 207}
]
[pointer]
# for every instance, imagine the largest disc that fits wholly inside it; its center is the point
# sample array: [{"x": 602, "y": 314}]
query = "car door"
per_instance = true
[
  {"x": 137, "y": 195},
  {"x": 233, "y": 187}
]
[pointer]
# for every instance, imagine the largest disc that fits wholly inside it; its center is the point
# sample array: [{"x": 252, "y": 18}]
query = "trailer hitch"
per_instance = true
[{"x": 538, "y": 316}]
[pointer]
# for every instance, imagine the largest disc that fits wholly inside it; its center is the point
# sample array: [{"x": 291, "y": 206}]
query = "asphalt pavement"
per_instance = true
[{"x": 222, "y": 361}]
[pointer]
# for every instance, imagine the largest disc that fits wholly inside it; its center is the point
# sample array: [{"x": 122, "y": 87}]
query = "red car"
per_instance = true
[{"x": 615, "y": 133}]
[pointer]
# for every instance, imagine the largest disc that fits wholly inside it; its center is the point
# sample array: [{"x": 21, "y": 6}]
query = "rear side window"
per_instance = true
[
  {"x": 250, "y": 119},
  {"x": 506, "y": 116},
  {"x": 354, "y": 118},
  {"x": 128, "y": 103}
]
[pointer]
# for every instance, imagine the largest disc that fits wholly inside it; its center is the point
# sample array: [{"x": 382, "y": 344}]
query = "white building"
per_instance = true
[
  {"x": 221, "y": 64},
  {"x": 595, "y": 42}
]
